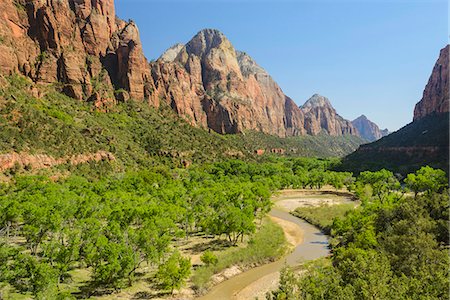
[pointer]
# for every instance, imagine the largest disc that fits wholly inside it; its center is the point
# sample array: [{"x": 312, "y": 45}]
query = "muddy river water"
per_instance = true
[{"x": 314, "y": 245}]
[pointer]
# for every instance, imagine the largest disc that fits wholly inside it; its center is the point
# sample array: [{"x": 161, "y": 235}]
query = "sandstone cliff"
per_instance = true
[
  {"x": 435, "y": 98},
  {"x": 78, "y": 43},
  {"x": 368, "y": 130},
  {"x": 320, "y": 116},
  {"x": 215, "y": 86}
]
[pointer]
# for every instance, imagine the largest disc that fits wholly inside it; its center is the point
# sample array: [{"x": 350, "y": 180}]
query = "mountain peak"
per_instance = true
[
  {"x": 317, "y": 101},
  {"x": 368, "y": 129},
  {"x": 208, "y": 39}
]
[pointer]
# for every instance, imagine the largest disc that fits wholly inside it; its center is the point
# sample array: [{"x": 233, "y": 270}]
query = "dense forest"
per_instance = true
[{"x": 114, "y": 225}]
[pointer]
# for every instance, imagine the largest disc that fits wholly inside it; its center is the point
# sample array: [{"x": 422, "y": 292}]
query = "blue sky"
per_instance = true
[{"x": 369, "y": 57}]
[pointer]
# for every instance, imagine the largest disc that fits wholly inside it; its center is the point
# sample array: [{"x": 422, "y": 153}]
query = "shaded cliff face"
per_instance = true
[
  {"x": 320, "y": 116},
  {"x": 435, "y": 98},
  {"x": 217, "y": 87},
  {"x": 368, "y": 130},
  {"x": 78, "y": 43}
]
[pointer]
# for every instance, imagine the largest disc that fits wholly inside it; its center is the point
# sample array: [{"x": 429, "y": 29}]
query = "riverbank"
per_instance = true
[{"x": 310, "y": 244}]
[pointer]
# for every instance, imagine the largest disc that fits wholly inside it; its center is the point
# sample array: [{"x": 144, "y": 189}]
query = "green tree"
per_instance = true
[
  {"x": 427, "y": 180},
  {"x": 173, "y": 273}
]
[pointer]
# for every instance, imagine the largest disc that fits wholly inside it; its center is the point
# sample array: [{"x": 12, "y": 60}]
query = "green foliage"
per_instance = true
[
  {"x": 323, "y": 215},
  {"x": 136, "y": 134},
  {"x": 288, "y": 287},
  {"x": 209, "y": 258},
  {"x": 427, "y": 180},
  {"x": 174, "y": 272},
  {"x": 391, "y": 247},
  {"x": 403, "y": 151},
  {"x": 265, "y": 245}
]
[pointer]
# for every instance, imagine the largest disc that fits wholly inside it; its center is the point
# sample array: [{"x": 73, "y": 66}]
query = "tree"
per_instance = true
[
  {"x": 173, "y": 273},
  {"x": 427, "y": 180},
  {"x": 382, "y": 182}
]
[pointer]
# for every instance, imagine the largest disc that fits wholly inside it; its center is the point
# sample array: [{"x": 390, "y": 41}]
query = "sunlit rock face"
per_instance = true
[
  {"x": 321, "y": 117},
  {"x": 435, "y": 98}
]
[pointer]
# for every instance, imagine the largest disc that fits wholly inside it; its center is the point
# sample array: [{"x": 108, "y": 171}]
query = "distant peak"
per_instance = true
[
  {"x": 317, "y": 101},
  {"x": 210, "y": 31},
  {"x": 361, "y": 117}
]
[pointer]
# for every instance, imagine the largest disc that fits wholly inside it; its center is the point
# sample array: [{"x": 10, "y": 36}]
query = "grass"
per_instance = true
[
  {"x": 266, "y": 245},
  {"x": 323, "y": 216}
]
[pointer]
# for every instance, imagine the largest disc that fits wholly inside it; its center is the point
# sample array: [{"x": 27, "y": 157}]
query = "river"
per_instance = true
[{"x": 314, "y": 245}]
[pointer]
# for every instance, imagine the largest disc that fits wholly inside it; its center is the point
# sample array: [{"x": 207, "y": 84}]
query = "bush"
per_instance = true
[{"x": 209, "y": 258}]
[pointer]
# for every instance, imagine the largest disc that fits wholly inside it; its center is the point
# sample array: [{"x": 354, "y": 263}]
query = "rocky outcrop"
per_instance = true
[
  {"x": 321, "y": 117},
  {"x": 43, "y": 161},
  {"x": 435, "y": 98},
  {"x": 368, "y": 130},
  {"x": 78, "y": 43},
  {"x": 215, "y": 86}
]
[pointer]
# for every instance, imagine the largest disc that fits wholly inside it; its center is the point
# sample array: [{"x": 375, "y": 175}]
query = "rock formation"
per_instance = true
[
  {"x": 435, "y": 98},
  {"x": 94, "y": 56},
  {"x": 215, "y": 86},
  {"x": 78, "y": 43},
  {"x": 320, "y": 116},
  {"x": 368, "y": 130}
]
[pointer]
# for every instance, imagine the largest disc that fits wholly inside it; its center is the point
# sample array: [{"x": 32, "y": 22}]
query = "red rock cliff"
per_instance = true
[
  {"x": 216, "y": 86},
  {"x": 79, "y": 43},
  {"x": 436, "y": 94}
]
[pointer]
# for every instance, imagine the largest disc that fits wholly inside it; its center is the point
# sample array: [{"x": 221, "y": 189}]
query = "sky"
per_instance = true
[{"x": 371, "y": 57}]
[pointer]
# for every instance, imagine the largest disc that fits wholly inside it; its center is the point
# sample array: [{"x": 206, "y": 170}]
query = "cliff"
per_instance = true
[
  {"x": 91, "y": 55},
  {"x": 435, "y": 98},
  {"x": 78, "y": 43}
]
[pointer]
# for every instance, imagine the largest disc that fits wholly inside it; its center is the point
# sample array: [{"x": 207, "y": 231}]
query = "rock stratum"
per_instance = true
[
  {"x": 368, "y": 129},
  {"x": 425, "y": 141},
  {"x": 91, "y": 55}
]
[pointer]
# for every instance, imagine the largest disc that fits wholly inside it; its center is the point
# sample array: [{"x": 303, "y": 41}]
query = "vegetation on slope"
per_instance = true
[
  {"x": 422, "y": 142},
  {"x": 135, "y": 133}
]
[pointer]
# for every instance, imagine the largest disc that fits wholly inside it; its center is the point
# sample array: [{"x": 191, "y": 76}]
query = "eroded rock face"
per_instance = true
[
  {"x": 368, "y": 129},
  {"x": 435, "y": 98},
  {"x": 99, "y": 58},
  {"x": 73, "y": 42},
  {"x": 215, "y": 86},
  {"x": 320, "y": 116}
]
